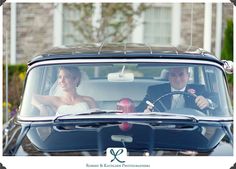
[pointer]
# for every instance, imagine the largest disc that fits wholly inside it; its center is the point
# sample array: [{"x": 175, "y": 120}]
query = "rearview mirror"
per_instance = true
[
  {"x": 228, "y": 66},
  {"x": 120, "y": 77}
]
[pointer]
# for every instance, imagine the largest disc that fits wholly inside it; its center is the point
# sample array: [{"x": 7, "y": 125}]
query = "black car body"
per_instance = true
[{"x": 113, "y": 73}]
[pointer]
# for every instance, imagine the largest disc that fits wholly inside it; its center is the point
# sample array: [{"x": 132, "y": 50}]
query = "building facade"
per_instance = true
[{"x": 30, "y": 28}]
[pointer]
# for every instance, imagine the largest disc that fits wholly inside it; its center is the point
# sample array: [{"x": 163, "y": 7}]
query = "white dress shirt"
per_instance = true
[{"x": 177, "y": 99}]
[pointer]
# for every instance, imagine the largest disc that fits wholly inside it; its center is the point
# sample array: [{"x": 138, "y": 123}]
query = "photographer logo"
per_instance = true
[{"x": 116, "y": 154}]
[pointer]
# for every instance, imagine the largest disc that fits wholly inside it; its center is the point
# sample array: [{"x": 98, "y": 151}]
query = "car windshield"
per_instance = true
[{"x": 59, "y": 89}]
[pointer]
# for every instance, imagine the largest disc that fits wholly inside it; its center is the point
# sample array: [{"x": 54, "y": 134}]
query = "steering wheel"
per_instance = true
[
  {"x": 179, "y": 110},
  {"x": 158, "y": 100}
]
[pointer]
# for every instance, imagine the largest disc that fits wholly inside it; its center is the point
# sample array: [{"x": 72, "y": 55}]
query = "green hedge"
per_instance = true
[
  {"x": 16, "y": 77},
  {"x": 227, "y": 52},
  {"x": 228, "y": 45}
]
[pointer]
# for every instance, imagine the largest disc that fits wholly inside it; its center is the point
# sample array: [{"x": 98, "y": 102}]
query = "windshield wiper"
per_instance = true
[
  {"x": 192, "y": 117},
  {"x": 90, "y": 112},
  {"x": 177, "y": 116}
]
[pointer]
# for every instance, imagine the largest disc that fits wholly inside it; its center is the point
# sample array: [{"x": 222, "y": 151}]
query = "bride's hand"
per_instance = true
[{"x": 43, "y": 110}]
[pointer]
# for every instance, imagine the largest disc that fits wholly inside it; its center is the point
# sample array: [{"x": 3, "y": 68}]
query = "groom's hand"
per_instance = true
[{"x": 202, "y": 102}]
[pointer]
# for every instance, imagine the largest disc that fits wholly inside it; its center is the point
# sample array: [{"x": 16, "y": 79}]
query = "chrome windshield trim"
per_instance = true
[
  {"x": 131, "y": 116},
  {"x": 73, "y": 61}
]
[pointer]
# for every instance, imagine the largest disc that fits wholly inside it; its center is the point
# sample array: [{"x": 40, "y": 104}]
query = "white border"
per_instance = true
[{"x": 80, "y": 162}]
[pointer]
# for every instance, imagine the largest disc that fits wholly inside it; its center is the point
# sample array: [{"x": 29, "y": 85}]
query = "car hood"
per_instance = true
[{"x": 133, "y": 136}]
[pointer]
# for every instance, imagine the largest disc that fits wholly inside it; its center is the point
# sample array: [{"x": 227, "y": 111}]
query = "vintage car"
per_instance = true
[{"x": 117, "y": 77}]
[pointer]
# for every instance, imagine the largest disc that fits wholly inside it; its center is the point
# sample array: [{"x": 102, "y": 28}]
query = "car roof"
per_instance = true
[{"x": 123, "y": 50}]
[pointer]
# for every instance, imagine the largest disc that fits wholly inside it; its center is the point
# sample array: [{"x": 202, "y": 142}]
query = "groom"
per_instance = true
[{"x": 178, "y": 78}]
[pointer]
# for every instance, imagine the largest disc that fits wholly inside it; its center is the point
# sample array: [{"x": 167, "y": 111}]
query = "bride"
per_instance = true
[{"x": 70, "y": 102}]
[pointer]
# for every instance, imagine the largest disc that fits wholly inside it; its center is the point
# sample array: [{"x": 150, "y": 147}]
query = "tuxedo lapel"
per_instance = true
[{"x": 167, "y": 100}]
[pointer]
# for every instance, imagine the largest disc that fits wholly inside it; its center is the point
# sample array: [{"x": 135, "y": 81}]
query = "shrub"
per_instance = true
[
  {"x": 227, "y": 51},
  {"x": 16, "y": 76}
]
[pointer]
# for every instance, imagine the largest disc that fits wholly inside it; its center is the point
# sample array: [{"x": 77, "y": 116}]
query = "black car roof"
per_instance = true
[{"x": 123, "y": 50}]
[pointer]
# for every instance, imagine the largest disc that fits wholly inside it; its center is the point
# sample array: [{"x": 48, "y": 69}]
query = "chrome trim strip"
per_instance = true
[
  {"x": 131, "y": 116},
  {"x": 67, "y": 61}
]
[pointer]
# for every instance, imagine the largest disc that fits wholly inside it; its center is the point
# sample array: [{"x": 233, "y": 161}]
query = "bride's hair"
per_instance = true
[{"x": 75, "y": 72}]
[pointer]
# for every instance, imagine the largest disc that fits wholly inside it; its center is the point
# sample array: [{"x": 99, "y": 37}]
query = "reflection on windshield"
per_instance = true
[{"x": 58, "y": 90}]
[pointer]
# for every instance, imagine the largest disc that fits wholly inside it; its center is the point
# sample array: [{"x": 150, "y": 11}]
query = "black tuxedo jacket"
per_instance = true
[{"x": 156, "y": 91}]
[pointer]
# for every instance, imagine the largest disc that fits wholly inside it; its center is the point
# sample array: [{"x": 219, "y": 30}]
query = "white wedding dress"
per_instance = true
[{"x": 72, "y": 109}]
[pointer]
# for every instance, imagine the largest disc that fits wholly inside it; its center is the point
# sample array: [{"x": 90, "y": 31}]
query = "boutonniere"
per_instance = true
[{"x": 192, "y": 92}]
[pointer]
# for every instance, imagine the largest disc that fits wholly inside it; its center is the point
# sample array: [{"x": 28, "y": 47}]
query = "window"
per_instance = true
[
  {"x": 71, "y": 17},
  {"x": 157, "y": 25}
]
